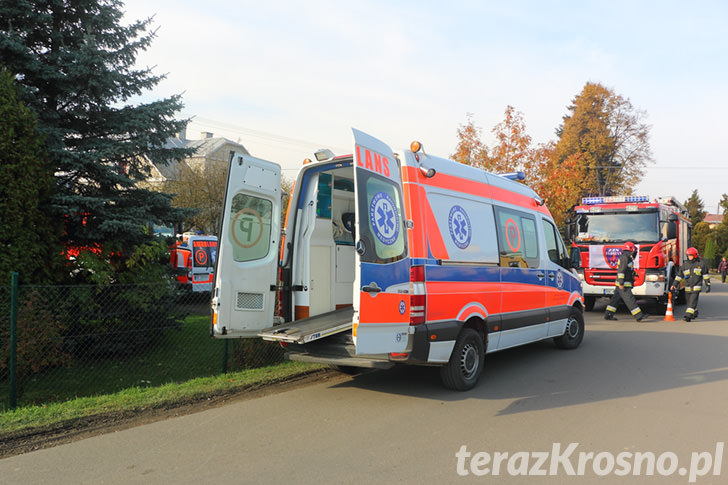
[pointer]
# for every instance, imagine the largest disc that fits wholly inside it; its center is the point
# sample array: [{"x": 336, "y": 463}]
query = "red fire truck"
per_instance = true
[
  {"x": 194, "y": 257},
  {"x": 601, "y": 225}
]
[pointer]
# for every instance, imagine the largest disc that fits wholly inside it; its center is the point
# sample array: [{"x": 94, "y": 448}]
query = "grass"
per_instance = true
[
  {"x": 57, "y": 415},
  {"x": 185, "y": 366}
]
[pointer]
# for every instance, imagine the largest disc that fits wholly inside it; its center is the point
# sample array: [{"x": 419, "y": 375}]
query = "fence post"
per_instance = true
[
  {"x": 224, "y": 356},
  {"x": 13, "y": 338}
]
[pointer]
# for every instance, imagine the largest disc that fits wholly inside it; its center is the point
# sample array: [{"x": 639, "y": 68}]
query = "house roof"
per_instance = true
[
  {"x": 713, "y": 218},
  {"x": 203, "y": 149}
]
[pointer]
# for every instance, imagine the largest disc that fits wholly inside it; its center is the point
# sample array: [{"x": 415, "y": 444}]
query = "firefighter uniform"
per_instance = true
[
  {"x": 623, "y": 290},
  {"x": 694, "y": 272}
]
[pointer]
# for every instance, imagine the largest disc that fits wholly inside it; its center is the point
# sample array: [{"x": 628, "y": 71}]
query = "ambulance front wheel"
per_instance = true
[
  {"x": 466, "y": 362},
  {"x": 574, "y": 332}
]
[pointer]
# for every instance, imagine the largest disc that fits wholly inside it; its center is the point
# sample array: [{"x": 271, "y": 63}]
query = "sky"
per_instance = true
[{"x": 285, "y": 78}]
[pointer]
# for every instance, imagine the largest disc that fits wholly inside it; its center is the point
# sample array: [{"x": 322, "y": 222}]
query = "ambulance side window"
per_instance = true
[
  {"x": 554, "y": 245},
  {"x": 517, "y": 239},
  {"x": 250, "y": 229}
]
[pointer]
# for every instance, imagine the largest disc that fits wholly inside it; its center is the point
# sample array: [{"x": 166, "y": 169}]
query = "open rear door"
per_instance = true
[
  {"x": 246, "y": 268},
  {"x": 381, "y": 286}
]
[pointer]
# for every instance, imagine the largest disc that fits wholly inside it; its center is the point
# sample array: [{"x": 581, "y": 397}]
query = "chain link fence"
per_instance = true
[{"x": 77, "y": 341}]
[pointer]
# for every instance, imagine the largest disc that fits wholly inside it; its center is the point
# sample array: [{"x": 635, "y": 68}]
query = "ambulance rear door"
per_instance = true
[
  {"x": 381, "y": 286},
  {"x": 247, "y": 255}
]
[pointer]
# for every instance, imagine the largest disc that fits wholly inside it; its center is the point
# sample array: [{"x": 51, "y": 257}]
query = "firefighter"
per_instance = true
[
  {"x": 624, "y": 283},
  {"x": 694, "y": 272}
]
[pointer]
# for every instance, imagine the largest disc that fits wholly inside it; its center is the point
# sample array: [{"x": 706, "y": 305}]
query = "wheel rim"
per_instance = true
[
  {"x": 469, "y": 361},
  {"x": 572, "y": 328}
]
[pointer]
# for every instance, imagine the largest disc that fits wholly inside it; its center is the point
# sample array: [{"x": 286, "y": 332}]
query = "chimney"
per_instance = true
[
  {"x": 206, "y": 134},
  {"x": 182, "y": 135}
]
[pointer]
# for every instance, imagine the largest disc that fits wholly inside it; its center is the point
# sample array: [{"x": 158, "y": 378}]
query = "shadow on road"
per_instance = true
[{"x": 614, "y": 361}]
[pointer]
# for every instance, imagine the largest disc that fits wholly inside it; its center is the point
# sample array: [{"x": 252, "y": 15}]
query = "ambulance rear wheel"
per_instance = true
[
  {"x": 466, "y": 362},
  {"x": 574, "y": 332}
]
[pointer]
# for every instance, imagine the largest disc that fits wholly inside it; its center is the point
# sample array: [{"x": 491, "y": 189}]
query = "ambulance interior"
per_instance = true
[{"x": 325, "y": 230}]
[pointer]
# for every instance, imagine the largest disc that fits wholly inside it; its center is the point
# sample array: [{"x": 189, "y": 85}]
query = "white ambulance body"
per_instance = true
[{"x": 405, "y": 258}]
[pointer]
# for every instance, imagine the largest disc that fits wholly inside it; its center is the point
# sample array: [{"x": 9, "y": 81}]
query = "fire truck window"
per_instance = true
[{"x": 250, "y": 229}]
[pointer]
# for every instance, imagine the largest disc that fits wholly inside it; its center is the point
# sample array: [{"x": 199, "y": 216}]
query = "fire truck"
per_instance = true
[
  {"x": 659, "y": 228},
  {"x": 194, "y": 258}
]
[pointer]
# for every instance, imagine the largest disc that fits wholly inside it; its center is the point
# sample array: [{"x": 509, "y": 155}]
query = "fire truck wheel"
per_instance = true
[
  {"x": 574, "y": 332},
  {"x": 466, "y": 362},
  {"x": 589, "y": 303}
]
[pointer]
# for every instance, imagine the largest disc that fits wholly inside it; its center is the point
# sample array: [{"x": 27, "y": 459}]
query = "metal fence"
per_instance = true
[{"x": 63, "y": 342}]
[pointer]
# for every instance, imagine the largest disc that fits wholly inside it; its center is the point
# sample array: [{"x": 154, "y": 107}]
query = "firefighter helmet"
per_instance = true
[
  {"x": 692, "y": 252},
  {"x": 628, "y": 246}
]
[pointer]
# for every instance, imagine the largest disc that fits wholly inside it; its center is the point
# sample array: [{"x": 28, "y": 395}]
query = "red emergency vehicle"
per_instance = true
[
  {"x": 660, "y": 229},
  {"x": 194, "y": 258}
]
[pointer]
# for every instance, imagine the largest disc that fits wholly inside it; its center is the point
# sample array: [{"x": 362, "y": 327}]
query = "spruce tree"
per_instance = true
[
  {"x": 29, "y": 235},
  {"x": 695, "y": 207},
  {"x": 75, "y": 64}
]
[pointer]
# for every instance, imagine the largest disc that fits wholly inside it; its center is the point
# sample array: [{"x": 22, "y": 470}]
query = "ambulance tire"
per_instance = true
[
  {"x": 589, "y": 303},
  {"x": 574, "y": 333},
  {"x": 466, "y": 362}
]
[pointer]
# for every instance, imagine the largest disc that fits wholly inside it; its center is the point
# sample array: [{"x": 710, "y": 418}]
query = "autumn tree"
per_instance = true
[
  {"x": 609, "y": 138},
  {"x": 470, "y": 150},
  {"x": 695, "y": 207},
  {"x": 513, "y": 151},
  {"x": 200, "y": 189},
  {"x": 74, "y": 63}
]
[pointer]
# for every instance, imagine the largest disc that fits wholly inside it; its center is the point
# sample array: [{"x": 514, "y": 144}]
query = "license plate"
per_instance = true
[{"x": 608, "y": 291}]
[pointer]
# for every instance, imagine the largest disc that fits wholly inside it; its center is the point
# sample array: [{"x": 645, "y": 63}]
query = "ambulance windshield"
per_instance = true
[{"x": 618, "y": 227}]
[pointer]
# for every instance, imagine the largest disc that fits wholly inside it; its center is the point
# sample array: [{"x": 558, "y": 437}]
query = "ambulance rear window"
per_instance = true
[
  {"x": 380, "y": 220},
  {"x": 250, "y": 229}
]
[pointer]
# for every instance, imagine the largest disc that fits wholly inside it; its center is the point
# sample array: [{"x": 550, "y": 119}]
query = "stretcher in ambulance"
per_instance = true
[{"x": 391, "y": 259}]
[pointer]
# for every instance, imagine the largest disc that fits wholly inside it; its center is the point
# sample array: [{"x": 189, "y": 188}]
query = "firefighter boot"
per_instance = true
[
  {"x": 609, "y": 316},
  {"x": 641, "y": 316}
]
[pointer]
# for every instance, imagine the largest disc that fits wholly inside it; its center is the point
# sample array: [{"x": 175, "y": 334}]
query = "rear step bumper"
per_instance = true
[
  {"x": 312, "y": 328},
  {"x": 336, "y": 360}
]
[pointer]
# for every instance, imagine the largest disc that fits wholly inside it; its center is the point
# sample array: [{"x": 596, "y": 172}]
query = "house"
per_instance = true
[
  {"x": 209, "y": 152},
  {"x": 713, "y": 219}
]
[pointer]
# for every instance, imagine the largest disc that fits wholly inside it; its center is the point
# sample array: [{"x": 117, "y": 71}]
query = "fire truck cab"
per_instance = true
[
  {"x": 389, "y": 259},
  {"x": 660, "y": 229}
]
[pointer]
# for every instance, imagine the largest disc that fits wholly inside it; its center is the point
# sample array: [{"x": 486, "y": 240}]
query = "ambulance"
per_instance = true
[
  {"x": 194, "y": 259},
  {"x": 392, "y": 258}
]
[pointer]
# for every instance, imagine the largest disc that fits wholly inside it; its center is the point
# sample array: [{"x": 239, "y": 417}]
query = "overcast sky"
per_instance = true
[{"x": 287, "y": 77}]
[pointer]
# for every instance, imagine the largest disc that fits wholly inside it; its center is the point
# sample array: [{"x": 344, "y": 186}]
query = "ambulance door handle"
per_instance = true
[
  {"x": 541, "y": 275},
  {"x": 552, "y": 276},
  {"x": 373, "y": 288}
]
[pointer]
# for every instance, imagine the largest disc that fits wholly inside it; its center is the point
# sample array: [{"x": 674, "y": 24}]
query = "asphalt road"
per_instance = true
[{"x": 631, "y": 393}]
